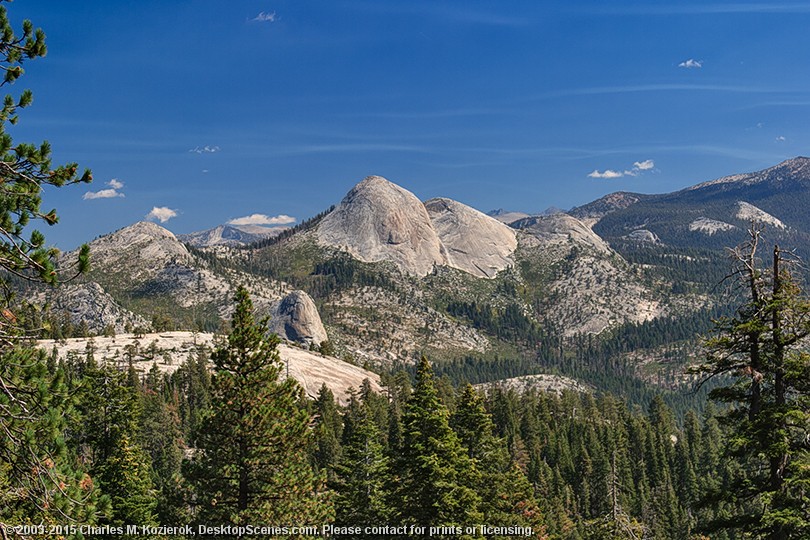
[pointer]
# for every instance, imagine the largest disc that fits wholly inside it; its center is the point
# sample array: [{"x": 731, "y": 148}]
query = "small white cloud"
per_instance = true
[
  {"x": 606, "y": 174},
  {"x": 781, "y": 138},
  {"x": 111, "y": 193},
  {"x": 205, "y": 149},
  {"x": 103, "y": 194},
  {"x": 639, "y": 167},
  {"x": 262, "y": 219},
  {"x": 205, "y": 171},
  {"x": 161, "y": 213},
  {"x": 691, "y": 64},
  {"x": 265, "y": 17}
]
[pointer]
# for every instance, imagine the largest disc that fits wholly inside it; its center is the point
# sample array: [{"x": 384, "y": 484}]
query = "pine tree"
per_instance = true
[
  {"x": 759, "y": 349},
  {"x": 41, "y": 479},
  {"x": 252, "y": 462},
  {"x": 328, "y": 429},
  {"x": 431, "y": 471},
  {"x": 110, "y": 426}
]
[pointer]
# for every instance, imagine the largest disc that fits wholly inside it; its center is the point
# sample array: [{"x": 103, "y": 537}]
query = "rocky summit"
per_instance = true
[
  {"x": 475, "y": 243},
  {"x": 380, "y": 221},
  {"x": 296, "y": 318}
]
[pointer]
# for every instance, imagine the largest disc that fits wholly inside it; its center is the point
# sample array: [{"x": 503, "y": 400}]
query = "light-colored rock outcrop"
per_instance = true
[
  {"x": 643, "y": 236},
  {"x": 380, "y": 221},
  {"x": 88, "y": 303},
  {"x": 296, "y": 318},
  {"x": 710, "y": 226},
  {"x": 556, "y": 384},
  {"x": 749, "y": 212},
  {"x": 171, "y": 349},
  {"x": 154, "y": 247},
  {"x": 562, "y": 228},
  {"x": 474, "y": 242}
]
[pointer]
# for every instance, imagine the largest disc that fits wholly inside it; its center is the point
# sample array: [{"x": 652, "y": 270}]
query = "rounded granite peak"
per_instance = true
[
  {"x": 381, "y": 221},
  {"x": 150, "y": 228},
  {"x": 475, "y": 242}
]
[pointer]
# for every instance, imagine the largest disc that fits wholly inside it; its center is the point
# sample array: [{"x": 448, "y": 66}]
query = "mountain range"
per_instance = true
[{"x": 384, "y": 277}]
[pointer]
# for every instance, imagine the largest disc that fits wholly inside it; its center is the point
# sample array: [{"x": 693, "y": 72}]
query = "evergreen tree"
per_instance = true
[
  {"x": 252, "y": 461},
  {"x": 506, "y": 496},
  {"x": 431, "y": 486},
  {"x": 362, "y": 470},
  {"x": 41, "y": 479},
  {"x": 328, "y": 429},
  {"x": 759, "y": 349},
  {"x": 110, "y": 427}
]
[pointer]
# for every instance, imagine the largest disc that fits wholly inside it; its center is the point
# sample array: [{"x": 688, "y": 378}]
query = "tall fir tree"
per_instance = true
[
  {"x": 431, "y": 473},
  {"x": 507, "y": 497},
  {"x": 252, "y": 463},
  {"x": 362, "y": 470}
]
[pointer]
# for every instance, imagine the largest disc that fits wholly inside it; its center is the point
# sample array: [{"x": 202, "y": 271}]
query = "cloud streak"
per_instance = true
[
  {"x": 161, "y": 213},
  {"x": 263, "y": 219},
  {"x": 265, "y": 17},
  {"x": 205, "y": 149}
]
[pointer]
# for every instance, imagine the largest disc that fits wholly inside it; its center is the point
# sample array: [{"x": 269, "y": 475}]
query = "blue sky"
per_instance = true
[{"x": 214, "y": 111}]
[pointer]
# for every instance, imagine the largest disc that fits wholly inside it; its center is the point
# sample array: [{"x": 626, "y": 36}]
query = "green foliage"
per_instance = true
[
  {"x": 26, "y": 168},
  {"x": 432, "y": 471},
  {"x": 252, "y": 462},
  {"x": 41, "y": 479},
  {"x": 363, "y": 470},
  {"x": 769, "y": 413}
]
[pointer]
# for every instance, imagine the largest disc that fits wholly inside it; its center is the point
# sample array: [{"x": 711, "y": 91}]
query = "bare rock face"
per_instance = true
[
  {"x": 310, "y": 369},
  {"x": 151, "y": 244},
  {"x": 475, "y": 243},
  {"x": 297, "y": 319},
  {"x": 380, "y": 221},
  {"x": 562, "y": 228},
  {"x": 88, "y": 303}
]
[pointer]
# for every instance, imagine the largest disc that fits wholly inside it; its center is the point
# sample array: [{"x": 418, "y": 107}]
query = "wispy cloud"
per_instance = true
[
  {"x": 449, "y": 14},
  {"x": 781, "y": 138},
  {"x": 110, "y": 193},
  {"x": 205, "y": 149},
  {"x": 665, "y": 87},
  {"x": 161, "y": 213},
  {"x": 673, "y": 8},
  {"x": 263, "y": 219},
  {"x": 265, "y": 16},
  {"x": 639, "y": 167},
  {"x": 691, "y": 64}
]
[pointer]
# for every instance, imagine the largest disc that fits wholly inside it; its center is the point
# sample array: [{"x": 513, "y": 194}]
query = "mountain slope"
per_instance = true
[
  {"x": 230, "y": 235},
  {"x": 715, "y": 214}
]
